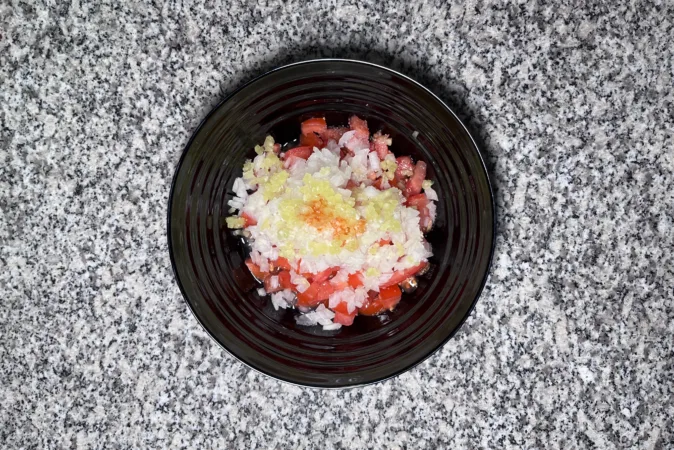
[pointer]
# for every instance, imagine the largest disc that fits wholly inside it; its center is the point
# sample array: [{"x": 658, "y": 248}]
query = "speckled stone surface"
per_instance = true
[{"x": 571, "y": 345}]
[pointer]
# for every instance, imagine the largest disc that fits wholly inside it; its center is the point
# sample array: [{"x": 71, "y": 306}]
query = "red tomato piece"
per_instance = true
[
  {"x": 315, "y": 293},
  {"x": 359, "y": 126},
  {"x": 413, "y": 186},
  {"x": 250, "y": 220},
  {"x": 277, "y": 148},
  {"x": 402, "y": 275},
  {"x": 380, "y": 145},
  {"x": 327, "y": 273},
  {"x": 345, "y": 319},
  {"x": 372, "y": 308},
  {"x": 255, "y": 270},
  {"x": 355, "y": 280},
  {"x": 390, "y": 296},
  {"x": 311, "y": 140},
  {"x": 298, "y": 152},
  {"x": 307, "y": 298},
  {"x": 387, "y": 300},
  {"x": 417, "y": 201},
  {"x": 308, "y": 276},
  {"x": 284, "y": 280},
  {"x": 283, "y": 263},
  {"x": 405, "y": 168},
  {"x": 324, "y": 290},
  {"x": 343, "y": 316},
  {"x": 383, "y": 242},
  {"x": 315, "y": 125}
]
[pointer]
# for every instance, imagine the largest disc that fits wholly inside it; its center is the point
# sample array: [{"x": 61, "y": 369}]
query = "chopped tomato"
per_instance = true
[
  {"x": 378, "y": 184},
  {"x": 390, "y": 295},
  {"x": 359, "y": 126},
  {"x": 298, "y": 152},
  {"x": 333, "y": 134},
  {"x": 383, "y": 242},
  {"x": 355, "y": 280},
  {"x": 342, "y": 314},
  {"x": 283, "y": 263},
  {"x": 402, "y": 275},
  {"x": 250, "y": 220},
  {"x": 388, "y": 298},
  {"x": 315, "y": 293},
  {"x": 379, "y": 144},
  {"x": 284, "y": 280},
  {"x": 405, "y": 168},
  {"x": 308, "y": 276},
  {"x": 327, "y": 273},
  {"x": 268, "y": 284},
  {"x": 255, "y": 270},
  {"x": 315, "y": 125},
  {"x": 345, "y": 319},
  {"x": 372, "y": 307},
  {"x": 279, "y": 264},
  {"x": 324, "y": 290},
  {"x": 311, "y": 140},
  {"x": 417, "y": 201},
  {"x": 277, "y": 148},
  {"x": 413, "y": 186}
]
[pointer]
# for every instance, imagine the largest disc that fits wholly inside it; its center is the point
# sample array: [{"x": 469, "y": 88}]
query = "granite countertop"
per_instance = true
[{"x": 571, "y": 345}]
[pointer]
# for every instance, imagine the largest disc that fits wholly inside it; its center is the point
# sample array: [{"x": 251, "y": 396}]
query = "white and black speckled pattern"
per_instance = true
[{"x": 571, "y": 345}]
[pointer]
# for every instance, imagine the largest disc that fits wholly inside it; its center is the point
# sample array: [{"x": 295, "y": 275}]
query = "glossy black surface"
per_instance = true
[{"x": 208, "y": 260}]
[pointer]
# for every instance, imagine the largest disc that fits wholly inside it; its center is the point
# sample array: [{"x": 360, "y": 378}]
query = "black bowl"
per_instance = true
[{"x": 209, "y": 261}]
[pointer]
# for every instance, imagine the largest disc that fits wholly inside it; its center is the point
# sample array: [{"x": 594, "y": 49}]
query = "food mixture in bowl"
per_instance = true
[{"x": 335, "y": 225}]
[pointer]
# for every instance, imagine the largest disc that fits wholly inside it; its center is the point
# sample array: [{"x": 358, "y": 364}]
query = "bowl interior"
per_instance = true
[{"x": 208, "y": 259}]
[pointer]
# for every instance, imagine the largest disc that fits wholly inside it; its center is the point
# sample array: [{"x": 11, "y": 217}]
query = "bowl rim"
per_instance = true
[{"x": 170, "y": 206}]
